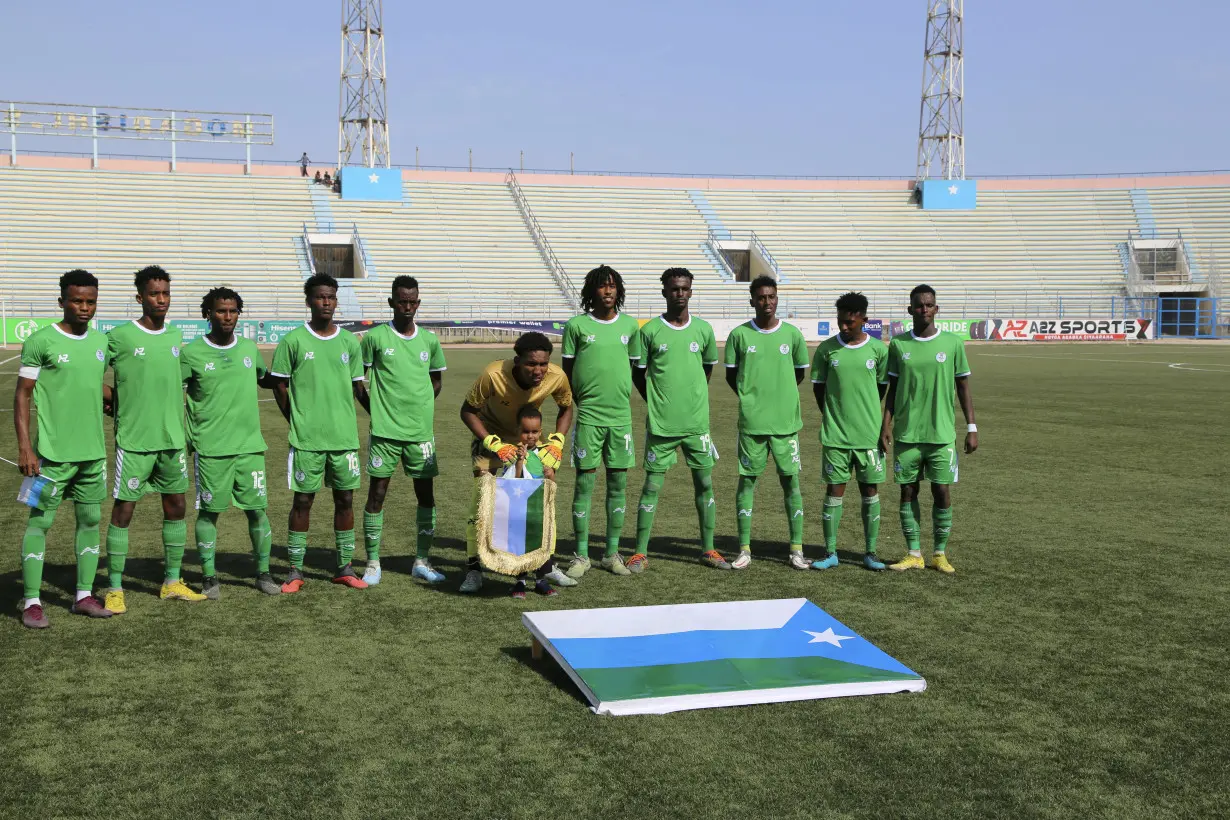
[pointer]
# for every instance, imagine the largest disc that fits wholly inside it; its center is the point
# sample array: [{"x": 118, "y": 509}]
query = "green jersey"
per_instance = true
[
  {"x": 149, "y": 401},
  {"x": 322, "y": 371},
  {"x": 601, "y": 378},
  {"x": 926, "y": 372},
  {"x": 851, "y": 375},
  {"x": 403, "y": 402},
  {"x": 68, "y": 373},
  {"x": 223, "y": 415},
  {"x": 767, "y": 361},
  {"x": 673, "y": 359}
]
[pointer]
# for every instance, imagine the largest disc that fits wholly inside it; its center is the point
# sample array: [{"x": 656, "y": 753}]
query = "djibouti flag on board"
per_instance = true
[{"x": 659, "y": 659}]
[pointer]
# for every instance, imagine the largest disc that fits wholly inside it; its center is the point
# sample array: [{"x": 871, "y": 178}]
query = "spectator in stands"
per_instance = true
[
  {"x": 337, "y": 183},
  {"x": 318, "y": 180},
  {"x": 328, "y": 179},
  {"x": 303, "y": 164}
]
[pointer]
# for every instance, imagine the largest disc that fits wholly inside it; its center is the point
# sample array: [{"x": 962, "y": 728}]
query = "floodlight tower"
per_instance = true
[
  {"x": 363, "y": 126},
  {"x": 941, "y": 122}
]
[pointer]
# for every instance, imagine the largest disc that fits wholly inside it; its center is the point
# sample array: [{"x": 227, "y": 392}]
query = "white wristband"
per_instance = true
[{"x": 973, "y": 428}]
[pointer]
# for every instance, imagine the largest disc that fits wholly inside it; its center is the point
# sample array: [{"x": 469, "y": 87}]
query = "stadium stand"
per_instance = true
[
  {"x": 1030, "y": 247},
  {"x": 1202, "y": 216},
  {"x": 1026, "y": 249},
  {"x": 467, "y": 240},
  {"x": 640, "y": 232},
  {"x": 205, "y": 229}
]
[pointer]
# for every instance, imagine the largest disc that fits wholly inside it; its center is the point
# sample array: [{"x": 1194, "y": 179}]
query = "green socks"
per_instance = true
[
  {"x": 871, "y": 522},
  {"x": 206, "y": 532},
  {"x": 296, "y": 548},
  {"x": 34, "y": 549},
  {"x": 174, "y": 541},
  {"x": 343, "y": 540},
  {"x": 792, "y": 493},
  {"x": 88, "y": 516},
  {"x": 117, "y": 554},
  {"x": 744, "y": 496},
  {"x": 262, "y": 538},
  {"x": 706, "y": 506},
  {"x": 910, "y": 512},
  {"x": 644, "y": 514},
  {"x": 581, "y": 501},
  {"x": 832, "y": 521},
  {"x": 425, "y": 523},
  {"x": 373, "y": 529},
  {"x": 941, "y": 527},
  {"x": 616, "y": 505}
]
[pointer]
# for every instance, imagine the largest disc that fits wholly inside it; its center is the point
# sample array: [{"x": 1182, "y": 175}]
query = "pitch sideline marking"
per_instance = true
[{"x": 1174, "y": 365}]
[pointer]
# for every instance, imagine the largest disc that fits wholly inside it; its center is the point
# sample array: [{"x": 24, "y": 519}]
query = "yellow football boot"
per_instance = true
[
  {"x": 115, "y": 601},
  {"x": 908, "y": 562},
  {"x": 180, "y": 591},
  {"x": 940, "y": 562}
]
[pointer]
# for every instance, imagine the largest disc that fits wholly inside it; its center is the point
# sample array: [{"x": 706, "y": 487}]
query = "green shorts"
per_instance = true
[
  {"x": 418, "y": 458},
  {"x": 754, "y": 453},
  {"x": 935, "y": 462},
  {"x": 162, "y": 471},
  {"x": 593, "y": 446},
  {"x": 867, "y": 465},
  {"x": 698, "y": 452},
  {"x": 82, "y": 482},
  {"x": 307, "y": 471},
  {"x": 223, "y": 479}
]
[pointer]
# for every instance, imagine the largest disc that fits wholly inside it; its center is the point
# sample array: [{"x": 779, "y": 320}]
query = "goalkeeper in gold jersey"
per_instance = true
[{"x": 490, "y": 413}]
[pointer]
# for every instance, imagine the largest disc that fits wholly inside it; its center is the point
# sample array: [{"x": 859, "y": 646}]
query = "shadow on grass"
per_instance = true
[{"x": 547, "y": 669}]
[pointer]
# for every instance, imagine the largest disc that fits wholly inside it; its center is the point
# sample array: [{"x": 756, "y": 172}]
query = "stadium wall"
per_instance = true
[{"x": 712, "y": 183}]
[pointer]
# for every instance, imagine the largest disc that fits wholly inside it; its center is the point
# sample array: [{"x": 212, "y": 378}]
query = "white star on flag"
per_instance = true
[
  {"x": 952, "y": 189},
  {"x": 374, "y": 178},
  {"x": 518, "y": 490},
  {"x": 828, "y": 636}
]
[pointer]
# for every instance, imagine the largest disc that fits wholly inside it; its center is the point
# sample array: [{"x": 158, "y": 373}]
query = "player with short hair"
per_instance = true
[
  {"x": 600, "y": 373},
  {"x": 490, "y": 413},
  {"x": 849, "y": 374},
  {"x": 924, "y": 364},
  {"x": 765, "y": 361},
  {"x": 149, "y": 434},
  {"x": 319, "y": 373},
  {"x": 62, "y": 368},
  {"x": 405, "y": 367},
  {"x": 674, "y": 354},
  {"x": 222, "y": 372}
]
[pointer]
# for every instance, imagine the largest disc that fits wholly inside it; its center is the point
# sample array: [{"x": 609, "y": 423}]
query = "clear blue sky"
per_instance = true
[{"x": 771, "y": 87}]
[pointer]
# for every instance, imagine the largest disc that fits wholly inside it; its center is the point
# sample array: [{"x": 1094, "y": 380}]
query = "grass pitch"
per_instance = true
[{"x": 1076, "y": 663}]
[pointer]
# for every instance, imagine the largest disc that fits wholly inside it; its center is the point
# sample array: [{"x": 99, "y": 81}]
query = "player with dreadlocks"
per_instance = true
[
  {"x": 221, "y": 372},
  {"x": 598, "y": 369}
]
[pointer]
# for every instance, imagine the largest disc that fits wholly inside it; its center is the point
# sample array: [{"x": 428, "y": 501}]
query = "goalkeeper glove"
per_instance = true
[
  {"x": 504, "y": 452},
  {"x": 552, "y": 453}
]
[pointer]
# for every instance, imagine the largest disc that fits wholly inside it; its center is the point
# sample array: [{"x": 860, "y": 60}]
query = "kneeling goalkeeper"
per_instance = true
[{"x": 490, "y": 413}]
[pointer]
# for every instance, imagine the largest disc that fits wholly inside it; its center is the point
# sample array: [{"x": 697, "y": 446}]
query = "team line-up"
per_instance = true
[{"x": 872, "y": 398}]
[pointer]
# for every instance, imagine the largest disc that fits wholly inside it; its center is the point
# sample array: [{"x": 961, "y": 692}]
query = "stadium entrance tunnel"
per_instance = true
[
  {"x": 339, "y": 255},
  {"x": 747, "y": 258}
]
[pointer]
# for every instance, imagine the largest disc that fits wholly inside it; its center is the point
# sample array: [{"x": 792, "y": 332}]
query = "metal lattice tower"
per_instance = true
[
  {"x": 941, "y": 122},
  {"x": 363, "y": 126}
]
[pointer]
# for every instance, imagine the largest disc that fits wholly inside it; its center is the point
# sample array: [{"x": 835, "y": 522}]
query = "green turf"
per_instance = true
[{"x": 1076, "y": 664}]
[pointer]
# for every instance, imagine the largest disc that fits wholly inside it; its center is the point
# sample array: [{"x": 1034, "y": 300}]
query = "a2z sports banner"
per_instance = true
[{"x": 1071, "y": 330}]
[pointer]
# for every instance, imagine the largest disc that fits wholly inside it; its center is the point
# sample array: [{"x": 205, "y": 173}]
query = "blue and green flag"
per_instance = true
[{"x": 658, "y": 659}]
